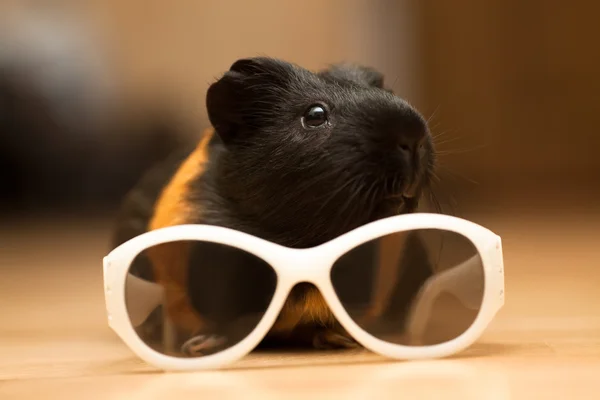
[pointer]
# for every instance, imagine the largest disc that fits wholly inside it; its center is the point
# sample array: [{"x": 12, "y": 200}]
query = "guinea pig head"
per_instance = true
[{"x": 311, "y": 155}]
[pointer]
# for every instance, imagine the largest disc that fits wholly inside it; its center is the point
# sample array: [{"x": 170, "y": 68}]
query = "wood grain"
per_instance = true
[{"x": 545, "y": 343}]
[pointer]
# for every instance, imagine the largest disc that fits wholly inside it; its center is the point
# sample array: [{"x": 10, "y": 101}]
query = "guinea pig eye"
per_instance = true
[{"x": 315, "y": 116}]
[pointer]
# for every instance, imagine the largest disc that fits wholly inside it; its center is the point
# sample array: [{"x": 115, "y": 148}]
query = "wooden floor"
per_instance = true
[{"x": 545, "y": 343}]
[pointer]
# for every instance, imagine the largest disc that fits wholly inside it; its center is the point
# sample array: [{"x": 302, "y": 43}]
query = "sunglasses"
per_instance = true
[{"x": 412, "y": 286}]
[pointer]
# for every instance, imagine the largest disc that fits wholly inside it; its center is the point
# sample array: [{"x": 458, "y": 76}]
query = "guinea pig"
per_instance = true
[{"x": 296, "y": 157}]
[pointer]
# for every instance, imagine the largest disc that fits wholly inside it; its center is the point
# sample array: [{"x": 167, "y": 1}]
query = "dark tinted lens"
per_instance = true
[
  {"x": 417, "y": 288},
  {"x": 192, "y": 298}
]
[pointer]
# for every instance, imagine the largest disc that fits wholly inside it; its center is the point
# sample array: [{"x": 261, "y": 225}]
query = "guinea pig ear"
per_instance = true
[
  {"x": 224, "y": 100},
  {"x": 231, "y": 101},
  {"x": 261, "y": 66},
  {"x": 365, "y": 76}
]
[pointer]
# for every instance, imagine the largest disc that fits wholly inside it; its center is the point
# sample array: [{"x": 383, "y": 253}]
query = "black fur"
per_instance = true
[
  {"x": 270, "y": 176},
  {"x": 354, "y": 74}
]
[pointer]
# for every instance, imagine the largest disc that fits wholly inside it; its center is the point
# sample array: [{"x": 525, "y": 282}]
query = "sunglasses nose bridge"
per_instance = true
[{"x": 307, "y": 265}]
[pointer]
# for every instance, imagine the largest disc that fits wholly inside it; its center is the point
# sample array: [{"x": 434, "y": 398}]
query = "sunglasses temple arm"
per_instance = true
[
  {"x": 142, "y": 298},
  {"x": 465, "y": 281}
]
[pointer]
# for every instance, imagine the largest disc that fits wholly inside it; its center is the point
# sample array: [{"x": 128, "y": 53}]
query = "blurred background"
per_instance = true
[{"x": 94, "y": 92}]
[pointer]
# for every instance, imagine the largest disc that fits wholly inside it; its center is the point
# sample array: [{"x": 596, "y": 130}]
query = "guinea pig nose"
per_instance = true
[
  {"x": 410, "y": 145},
  {"x": 404, "y": 147}
]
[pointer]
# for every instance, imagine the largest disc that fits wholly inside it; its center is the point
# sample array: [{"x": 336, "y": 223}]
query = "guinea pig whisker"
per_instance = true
[
  {"x": 308, "y": 183},
  {"x": 457, "y": 175},
  {"x": 434, "y": 176},
  {"x": 461, "y": 151},
  {"x": 446, "y": 141},
  {"x": 373, "y": 191},
  {"x": 372, "y": 194},
  {"x": 433, "y": 191},
  {"x": 432, "y": 116},
  {"x": 435, "y": 202},
  {"x": 438, "y": 135},
  {"x": 352, "y": 206},
  {"x": 332, "y": 196}
]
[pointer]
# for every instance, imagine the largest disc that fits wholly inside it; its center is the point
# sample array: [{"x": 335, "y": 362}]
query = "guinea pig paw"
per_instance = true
[
  {"x": 330, "y": 339},
  {"x": 201, "y": 345}
]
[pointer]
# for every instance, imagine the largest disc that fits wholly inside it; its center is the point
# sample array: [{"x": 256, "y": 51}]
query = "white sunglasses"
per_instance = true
[{"x": 406, "y": 287}]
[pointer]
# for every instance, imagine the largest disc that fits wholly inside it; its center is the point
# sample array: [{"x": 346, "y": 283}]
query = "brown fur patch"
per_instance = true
[
  {"x": 169, "y": 260},
  {"x": 310, "y": 309},
  {"x": 171, "y": 208},
  {"x": 170, "y": 263}
]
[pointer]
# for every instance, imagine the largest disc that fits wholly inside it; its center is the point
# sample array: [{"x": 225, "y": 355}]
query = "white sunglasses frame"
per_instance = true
[{"x": 304, "y": 265}]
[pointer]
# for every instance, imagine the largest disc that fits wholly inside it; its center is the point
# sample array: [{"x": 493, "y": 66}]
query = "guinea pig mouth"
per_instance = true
[
  {"x": 399, "y": 204},
  {"x": 411, "y": 189},
  {"x": 399, "y": 189},
  {"x": 403, "y": 204}
]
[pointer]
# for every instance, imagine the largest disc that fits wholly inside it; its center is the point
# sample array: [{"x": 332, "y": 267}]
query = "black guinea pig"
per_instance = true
[{"x": 294, "y": 157}]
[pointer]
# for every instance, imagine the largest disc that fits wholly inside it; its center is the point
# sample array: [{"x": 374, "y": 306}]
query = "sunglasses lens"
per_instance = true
[
  {"x": 194, "y": 298},
  {"x": 413, "y": 288}
]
